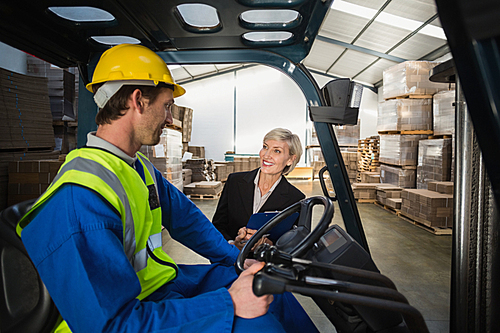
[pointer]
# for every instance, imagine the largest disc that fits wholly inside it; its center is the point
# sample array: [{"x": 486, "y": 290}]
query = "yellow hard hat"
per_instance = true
[{"x": 130, "y": 62}]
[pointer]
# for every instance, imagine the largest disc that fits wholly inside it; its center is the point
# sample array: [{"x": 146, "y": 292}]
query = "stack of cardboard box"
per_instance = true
[
  {"x": 441, "y": 187},
  {"x": 351, "y": 163},
  {"x": 29, "y": 179},
  {"x": 223, "y": 170},
  {"x": 204, "y": 190},
  {"x": 202, "y": 169},
  {"x": 389, "y": 195},
  {"x": 430, "y": 208},
  {"x": 185, "y": 116},
  {"x": 434, "y": 161},
  {"x": 364, "y": 192},
  {"x": 369, "y": 177},
  {"x": 246, "y": 163},
  {"x": 166, "y": 156},
  {"x": 197, "y": 151}
]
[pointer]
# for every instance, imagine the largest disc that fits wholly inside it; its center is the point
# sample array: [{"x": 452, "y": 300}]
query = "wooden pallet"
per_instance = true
[
  {"x": 388, "y": 208},
  {"x": 410, "y": 96},
  {"x": 439, "y": 137},
  {"x": 403, "y": 167},
  {"x": 205, "y": 196},
  {"x": 365, "y": 200},
  {"x": 438, "y": 231},
  {"x": 413, "y": 132}
]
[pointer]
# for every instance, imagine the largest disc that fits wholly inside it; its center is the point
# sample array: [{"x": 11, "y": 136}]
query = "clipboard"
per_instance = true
[{"x": 257, "y": 220}]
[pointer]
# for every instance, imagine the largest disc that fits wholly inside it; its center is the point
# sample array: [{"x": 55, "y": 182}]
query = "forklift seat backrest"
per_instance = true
[{"x": 25, "y": 304}]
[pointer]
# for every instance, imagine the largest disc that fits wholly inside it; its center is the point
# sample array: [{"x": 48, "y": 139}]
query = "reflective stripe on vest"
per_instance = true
[{"x": 92, "y": 168}]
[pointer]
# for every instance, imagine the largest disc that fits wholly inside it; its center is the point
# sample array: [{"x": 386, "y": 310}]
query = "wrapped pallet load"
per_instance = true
[{"x": 410, "y": 78}]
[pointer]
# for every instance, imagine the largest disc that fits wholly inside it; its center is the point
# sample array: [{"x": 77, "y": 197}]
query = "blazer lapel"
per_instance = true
[
  {"x": 278, "y": 198},
  {"x": 246, "y": 188}
]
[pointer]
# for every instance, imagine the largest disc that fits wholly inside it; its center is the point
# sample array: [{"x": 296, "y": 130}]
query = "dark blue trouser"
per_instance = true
[{"x": 285, "y": 313}]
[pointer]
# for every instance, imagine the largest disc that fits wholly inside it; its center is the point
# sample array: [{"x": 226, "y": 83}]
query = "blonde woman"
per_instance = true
[{"x": 260, "y": 190}]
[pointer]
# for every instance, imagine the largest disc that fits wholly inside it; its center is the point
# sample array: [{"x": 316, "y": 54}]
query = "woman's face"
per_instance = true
[{"x": 274, "y": 157}]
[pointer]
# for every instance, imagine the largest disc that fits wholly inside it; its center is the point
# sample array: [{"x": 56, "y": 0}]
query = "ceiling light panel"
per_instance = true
[
  {"x": 199, "y": 15},
  {"x": 418, "y": 10},
  {"x": 417, "y": 46},
  {"x": 82, "y": 14},
  {"x": 115, "y": 40},
  {"x": 387, "y": 18},
  {"x": 373, "y": 4},
  {"x": 270, "y": 16},
  {"x": 322, "y": 55},
  {"x": 342, "y": 26},
  {"x": 351, "y": 63}
]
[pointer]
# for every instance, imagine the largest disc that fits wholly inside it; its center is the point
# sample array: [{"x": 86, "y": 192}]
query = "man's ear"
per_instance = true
[{"x": 137, "y": 100}]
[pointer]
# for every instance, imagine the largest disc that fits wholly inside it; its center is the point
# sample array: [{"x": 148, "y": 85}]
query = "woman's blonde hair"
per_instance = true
[{"x": 293, "y": 142}]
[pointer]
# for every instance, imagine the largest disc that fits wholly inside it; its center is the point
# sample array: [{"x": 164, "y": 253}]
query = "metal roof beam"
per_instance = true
[
  {"x": 437, "y": 53},
  {"x": 360, "y": 49}
]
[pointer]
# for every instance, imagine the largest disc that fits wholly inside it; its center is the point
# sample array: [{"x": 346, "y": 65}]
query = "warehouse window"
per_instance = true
[
  {"x": 82, "y": 14},
  {"x": 115, "y": 40},
  {"x": 197, "y": 17},
  {"x": 281, "y": 17},
  {"x": 271, "y": 37}
]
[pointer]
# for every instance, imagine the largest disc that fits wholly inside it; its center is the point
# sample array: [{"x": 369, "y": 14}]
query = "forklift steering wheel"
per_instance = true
[{"x": 299, "y": 240}]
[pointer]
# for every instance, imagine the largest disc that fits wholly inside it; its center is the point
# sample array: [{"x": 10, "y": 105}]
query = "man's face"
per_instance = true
[{"x": 156, "y": 116}]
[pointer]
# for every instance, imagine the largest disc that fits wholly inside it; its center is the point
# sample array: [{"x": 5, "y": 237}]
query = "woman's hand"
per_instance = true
[{"x": 244, "y": 234}]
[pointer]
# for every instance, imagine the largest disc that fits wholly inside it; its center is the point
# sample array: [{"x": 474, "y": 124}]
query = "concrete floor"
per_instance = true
[{"x": 418, "y": 262}]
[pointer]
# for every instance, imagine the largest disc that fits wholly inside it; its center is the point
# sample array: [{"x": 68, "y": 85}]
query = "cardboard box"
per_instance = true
[
  {"x": 430, "y": 208},
  {"x": 213, "y": 188}
]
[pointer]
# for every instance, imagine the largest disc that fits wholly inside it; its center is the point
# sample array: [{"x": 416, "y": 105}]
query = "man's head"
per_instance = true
[{"x": 122, "y": 70}]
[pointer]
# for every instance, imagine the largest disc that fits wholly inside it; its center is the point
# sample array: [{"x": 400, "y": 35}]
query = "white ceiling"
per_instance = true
[{"x": 361, "y": 38}]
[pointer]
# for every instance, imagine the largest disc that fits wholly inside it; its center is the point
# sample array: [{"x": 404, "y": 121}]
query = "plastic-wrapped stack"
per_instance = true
[
  {"x": 405, "y": 115},
  {"x": 167, "y": 156},
  {"x": 443, "y": 111},
  {"x": 434, "y": 161},
  {"x": 399, "y": 150},
  {"x": 398, "y": 176},
  {"x": 347, "y": 135},
  {"x": 410, "y": 78}
]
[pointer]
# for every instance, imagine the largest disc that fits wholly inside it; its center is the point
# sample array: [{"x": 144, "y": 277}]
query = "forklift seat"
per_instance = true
[{"x": 25, "y": 304}]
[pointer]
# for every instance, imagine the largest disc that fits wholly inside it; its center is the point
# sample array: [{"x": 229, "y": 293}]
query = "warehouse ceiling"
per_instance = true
[
  {"x": 342, "y": 38},
  {"x": 360, "y": 38}
]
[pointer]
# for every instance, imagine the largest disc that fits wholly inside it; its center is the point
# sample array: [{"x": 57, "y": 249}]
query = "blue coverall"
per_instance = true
[{"x": 75, "y": 242}]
